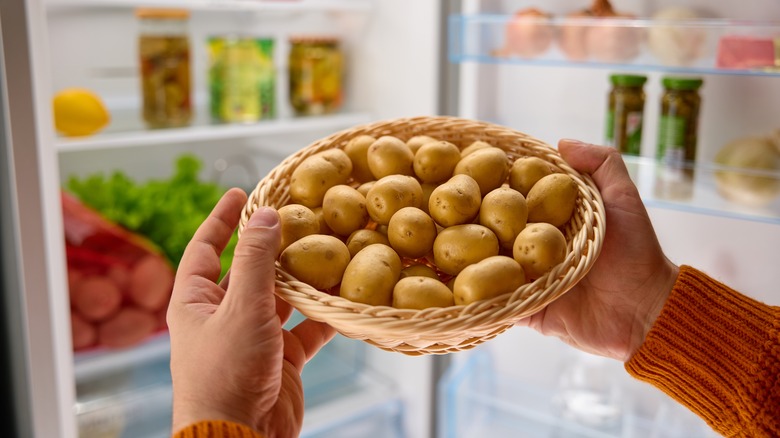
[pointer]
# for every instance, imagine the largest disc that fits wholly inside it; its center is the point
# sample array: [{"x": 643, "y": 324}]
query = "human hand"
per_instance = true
[
  {"x": 611, "y": 309},
  {"x": 230, "y": 358}
]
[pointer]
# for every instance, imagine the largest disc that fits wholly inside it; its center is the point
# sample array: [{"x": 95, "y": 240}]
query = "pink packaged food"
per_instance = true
[
  {"x": 747, "y": 52},
  {"x": 119, "y": 283}
]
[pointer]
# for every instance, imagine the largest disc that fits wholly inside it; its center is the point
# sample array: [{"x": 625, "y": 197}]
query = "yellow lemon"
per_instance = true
[{"x": 79, "y": 112}]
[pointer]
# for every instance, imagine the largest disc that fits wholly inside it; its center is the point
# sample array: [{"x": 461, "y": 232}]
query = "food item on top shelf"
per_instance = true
[
  {"x": 79, "y": 112},
  {"x": 315, "y": 75},
  {"x": 539, "y": 248},
  {"x": 748, "y": 52},
  {"x": 752, "y": 174},
  {"x": 242, "y": 78},
  {"x": 462, "y": 232},
  {"x": 626, "y": 113},
  {"x": 677, "y": 45},
  {"x": 529, "y": 33},
  {"x": 164, "y": 59},
  {"x": 583, "y": 36}
]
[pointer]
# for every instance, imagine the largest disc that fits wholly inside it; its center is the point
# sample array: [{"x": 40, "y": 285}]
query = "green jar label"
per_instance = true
[
  {"x": 671, "y": 138},
  {"x": 625, "y": 134}
]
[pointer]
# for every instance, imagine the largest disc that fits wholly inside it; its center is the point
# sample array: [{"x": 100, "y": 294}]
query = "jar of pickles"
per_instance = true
[
  {"x": 164, "y": 59},
  {"x": 315, "y": 75},
  {"x": 626, "y": 112}
]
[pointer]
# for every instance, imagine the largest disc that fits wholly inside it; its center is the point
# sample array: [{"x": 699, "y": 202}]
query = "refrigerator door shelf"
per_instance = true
[
  {"x": 476, "y": 399},
  {"x": 265, "y": 6},
  {"x": 701, "y": 46},
  {"x": 127, "y": 131}
]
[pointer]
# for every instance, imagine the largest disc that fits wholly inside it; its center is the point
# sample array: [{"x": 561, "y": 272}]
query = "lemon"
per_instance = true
[{"x": 79, "y": 112}]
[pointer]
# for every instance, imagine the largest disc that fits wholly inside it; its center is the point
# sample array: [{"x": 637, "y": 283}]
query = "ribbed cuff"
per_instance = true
[
  {"x": 217, "y": 429},
  {"x": 718, "y": 353}
]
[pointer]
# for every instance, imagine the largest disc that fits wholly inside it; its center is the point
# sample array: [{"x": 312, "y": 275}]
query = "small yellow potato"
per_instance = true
[
  {"x": 344, "y": 209},
  {"x": 526, "y": 171},
  {"x": 435, "y": 162},
  {"x": 505, "y": 212},
  {"x": 488, "y": 166},
  {"x": 317, "y": 260},
  {"x": 552, "y": 199},
  {"x": 417, "y": 141},
  {"x": 421, "y": 293},
  {"x": 324, "y": 228},
  {"x": 365, "y": 187},
  {"x": 360, "y": 239},
  {"x": 316, "y": 174},
  {"x": 475, "y": 146},
  {"x": 427, "y": 189},
  {"x": 419, "y": 271},
  {"x": 461, "y": 245},
  {"x": 489, "y": 278},
  {"x": 371, "y": 276},
  {"x": 411, "y": 232},
  {"x": 539, "y": 248},
  {"x": 357, "y": 151},
  {"x": 455, "y": 202},
  {"x": 389, "y": 155},
  {"x": 390, "y": 194},
  {"x": 296, "y": 221}
]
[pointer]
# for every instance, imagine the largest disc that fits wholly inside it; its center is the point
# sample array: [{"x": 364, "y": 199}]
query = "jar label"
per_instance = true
[
  {"x": 671, "y": 138},
  {"x": 625, "y": 135}
]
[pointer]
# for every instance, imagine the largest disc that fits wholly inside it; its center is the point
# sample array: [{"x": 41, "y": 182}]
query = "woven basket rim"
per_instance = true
[{"x": 585, "y": 233}]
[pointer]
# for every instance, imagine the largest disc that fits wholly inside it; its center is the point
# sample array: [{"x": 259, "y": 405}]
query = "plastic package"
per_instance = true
[{"x": 119, "y": 283}]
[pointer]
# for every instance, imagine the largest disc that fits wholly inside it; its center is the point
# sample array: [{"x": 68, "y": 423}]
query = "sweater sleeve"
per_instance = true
[
  {"x": 717, "y": 352},
  {"x": 216, "y": 429}
]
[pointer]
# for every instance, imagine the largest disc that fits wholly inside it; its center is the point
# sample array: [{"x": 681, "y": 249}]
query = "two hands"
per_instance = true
[{"x": 231, "y": 360}]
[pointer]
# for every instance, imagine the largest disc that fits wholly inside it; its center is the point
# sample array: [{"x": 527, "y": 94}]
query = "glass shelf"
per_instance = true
[
  {"x": 218, "y": 5},
  {"x": 708, "y": 188},
  {"x": 99, "y": 362},
  {"x": 127, "y": 130},
  {"x": 704, "y": 46}
]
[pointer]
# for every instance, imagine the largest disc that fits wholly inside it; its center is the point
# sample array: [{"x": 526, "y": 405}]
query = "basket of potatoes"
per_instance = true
[{"x": 429, "y": 235}]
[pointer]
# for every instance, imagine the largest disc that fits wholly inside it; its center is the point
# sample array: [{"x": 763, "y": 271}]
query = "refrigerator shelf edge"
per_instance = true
[
  {"x": 92, "y": 364},
  {"x": 483, "y": 38},
  {"x": 218, "y": 5},
  {"x": 139, "y": 137}
]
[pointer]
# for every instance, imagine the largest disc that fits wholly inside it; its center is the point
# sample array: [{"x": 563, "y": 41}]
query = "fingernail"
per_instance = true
[{"x": 263, "y": 217}]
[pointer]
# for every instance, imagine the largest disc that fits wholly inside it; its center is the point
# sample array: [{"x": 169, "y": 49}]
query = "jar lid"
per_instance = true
[
  {"x": 674, "y": 83},
  {"x": 623, "y": 80},
  {"x": 154, "y": 13}
]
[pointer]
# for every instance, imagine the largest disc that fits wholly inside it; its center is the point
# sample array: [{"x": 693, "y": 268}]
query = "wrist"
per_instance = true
[
  {"x": 188, "y": 413},
  {"x": 657, "y": 298}
]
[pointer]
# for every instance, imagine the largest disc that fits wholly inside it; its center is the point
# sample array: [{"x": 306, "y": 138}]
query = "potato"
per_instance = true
[
  {"x": 461, "y": 245},
  {"x": 539, "y": 248},
  {"x": 419, "y": 271},
  {"x": 488, "y": 166},
  {"x": 344, "y": 209},
  {"x": 365, "y": 187},
  {"x": 391, "y": 194},
  {"x": 504, "y": 211},
  {"x": 317, "y": 260},
  {"x": 526, "y": 171},
  {"x": 360, "y": 239},
  {"x": 411, "y": 232},
  {"x": 489, "y": 278},
  {"x": 455, "y": 202},
  {"x": 390, "y": 156},
  {"x": 297, "y": 221},
  {"x": 435, "y": 162},
  {"x": 475, "y": 146},
  {"x": 324, "y": 228},
  {"x": 417, "y": 141},
  {"x": 552, "y": 199},
  {"x": 371, "y": 276},
  {"x": 420, "y": 293},
  {"x": 316, "y": 174},
  {"x": 357, "y": 151}
]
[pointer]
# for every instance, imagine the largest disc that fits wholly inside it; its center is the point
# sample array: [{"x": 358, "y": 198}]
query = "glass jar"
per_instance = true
[
  {"x": 315, "y": 70},
  {"x": 626, "y": 112},
  {"x": 242, "y": 81},
  {"x": 164, "y": 59}
]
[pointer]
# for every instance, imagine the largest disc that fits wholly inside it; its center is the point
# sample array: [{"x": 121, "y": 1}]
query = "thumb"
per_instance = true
[
  {"x": 604, "y": 164},
  {"x": 253, "y": 272}
]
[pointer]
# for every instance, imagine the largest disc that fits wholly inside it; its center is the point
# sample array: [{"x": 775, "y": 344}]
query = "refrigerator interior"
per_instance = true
[
  {"x": 352, "y": 389},
  {"x": 518, "y": 384}
]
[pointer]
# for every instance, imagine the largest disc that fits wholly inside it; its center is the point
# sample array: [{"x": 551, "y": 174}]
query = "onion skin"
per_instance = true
[
  {"x": 604, "y": 43},
  {"x": 528, "y": 35}
]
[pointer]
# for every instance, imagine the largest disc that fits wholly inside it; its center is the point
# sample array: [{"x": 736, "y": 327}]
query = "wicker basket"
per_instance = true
[{"x": 456, "y": 328}]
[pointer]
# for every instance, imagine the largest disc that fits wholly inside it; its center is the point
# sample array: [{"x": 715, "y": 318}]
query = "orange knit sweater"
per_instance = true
[{"x": 712, "y": 349}]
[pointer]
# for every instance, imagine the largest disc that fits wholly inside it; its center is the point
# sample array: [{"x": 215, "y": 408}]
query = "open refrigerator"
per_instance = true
[{"x": 402, "y": 58}]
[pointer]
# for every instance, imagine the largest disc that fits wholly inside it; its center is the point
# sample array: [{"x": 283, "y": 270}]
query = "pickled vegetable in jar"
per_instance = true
[
  {"x": 626, "y": 112},
  {"x": 315, "y": 70},
  {"x": 164, "y": 58}
]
